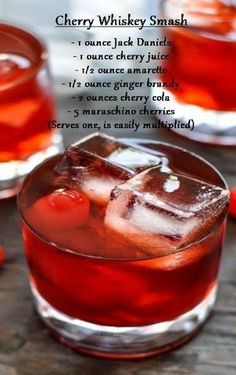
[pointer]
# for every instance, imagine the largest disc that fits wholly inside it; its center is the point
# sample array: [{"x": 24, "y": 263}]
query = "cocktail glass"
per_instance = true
[
  {"x": 26, "y": 105},
  {"x": 202, "y": 59},
  {"x": 123, "y": 242}
]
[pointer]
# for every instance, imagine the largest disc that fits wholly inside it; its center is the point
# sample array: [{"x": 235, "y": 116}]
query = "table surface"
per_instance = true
[{"x": 26, "y": 346}]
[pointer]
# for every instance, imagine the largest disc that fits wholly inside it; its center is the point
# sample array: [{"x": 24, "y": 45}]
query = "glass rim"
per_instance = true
[
  {"x": 28, "y": 35},
  {"x": 139, "y": 259},
  {"x": 195, "y": 19}
]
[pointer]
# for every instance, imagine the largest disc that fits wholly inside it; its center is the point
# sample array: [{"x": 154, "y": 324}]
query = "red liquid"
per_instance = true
[
  {"x": 122, "y": 293},
  {"x": 232, "y": 204},
  {"x": 2, "y": 255},
  {"x": 202, "y": 60},
  {"x": 104, "y": 291},
  {"x": 26, "y": 102}
]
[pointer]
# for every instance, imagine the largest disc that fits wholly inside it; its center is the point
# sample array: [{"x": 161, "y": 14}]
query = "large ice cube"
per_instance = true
[
  {"x": 161, "y": 212},
  {"x": 134, "y": 158},
  {"x": 95, "y": 176}
]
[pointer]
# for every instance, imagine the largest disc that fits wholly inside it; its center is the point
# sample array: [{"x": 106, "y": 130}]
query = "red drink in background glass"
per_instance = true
[
  {"x": 202, "y": 59},
  {"x": 26, "y": 105},
  {"x": 205, "y": 68},
  {"x": 116, "y": 290}
]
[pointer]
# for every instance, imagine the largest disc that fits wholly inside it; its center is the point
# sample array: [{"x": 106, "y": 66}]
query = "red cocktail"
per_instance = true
[
  {"x": 123, "y": 243},
  {"x": 26, "y": 105},
  {"x": 202, "y": 60}
]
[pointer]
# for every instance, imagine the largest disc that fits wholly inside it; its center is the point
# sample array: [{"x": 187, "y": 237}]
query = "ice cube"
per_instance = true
[
  {"x": 161, "y": 212},
  {"x": 95, "y": 176},
  {"x": 134, "y": 158}
]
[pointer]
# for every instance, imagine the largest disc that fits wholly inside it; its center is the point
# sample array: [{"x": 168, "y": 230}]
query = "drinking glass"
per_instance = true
[
  {"x": 133, "y": 274},
  {"x": 26, "y": 105},
  {"x": 202, "y": 60}
]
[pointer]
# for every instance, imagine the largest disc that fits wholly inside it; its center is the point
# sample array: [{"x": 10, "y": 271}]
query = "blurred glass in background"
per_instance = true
[
  {"x": 203, "y": 60},
  {"x": 26, "y": 105},
  {"x": 42, "y": 15}
]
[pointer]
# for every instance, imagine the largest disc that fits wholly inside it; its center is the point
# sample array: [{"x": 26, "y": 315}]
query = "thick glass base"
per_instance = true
[
  {"x": 13, "y": 172},
  {"x": 123, "y": 342},
  {"x": 210, "y": 126}
]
